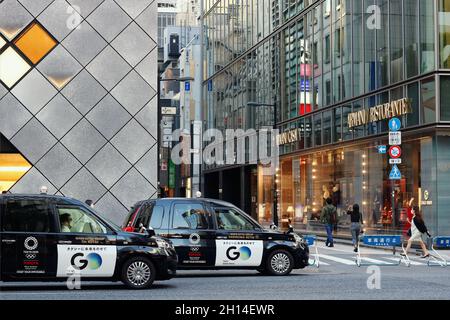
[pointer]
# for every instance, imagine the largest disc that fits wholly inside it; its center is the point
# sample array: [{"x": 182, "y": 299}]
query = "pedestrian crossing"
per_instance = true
[{"x": 330, "y": 259}]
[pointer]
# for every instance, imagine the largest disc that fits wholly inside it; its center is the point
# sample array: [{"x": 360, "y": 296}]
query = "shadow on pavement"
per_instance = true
[
  {"x": 233, "y": 275},
  {"x": 10, "y": 287}
]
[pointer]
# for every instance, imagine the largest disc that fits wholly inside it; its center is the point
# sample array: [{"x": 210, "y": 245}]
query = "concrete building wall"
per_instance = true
[{"x": 85, "y": 115}]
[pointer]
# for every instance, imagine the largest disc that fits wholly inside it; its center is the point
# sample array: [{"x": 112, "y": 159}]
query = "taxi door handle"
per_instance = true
[
  {"x": 221, "y": 237},
  {"x": 178, "y": 236}
]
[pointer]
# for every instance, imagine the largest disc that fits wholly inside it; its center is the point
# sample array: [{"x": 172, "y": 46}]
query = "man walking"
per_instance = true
[{"x": 328, "y": 218}]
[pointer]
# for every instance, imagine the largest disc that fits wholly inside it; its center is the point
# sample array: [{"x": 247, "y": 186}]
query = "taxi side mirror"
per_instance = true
[
  {"x": 151, "y": 232},
  {"x": 290, "y": 229}
]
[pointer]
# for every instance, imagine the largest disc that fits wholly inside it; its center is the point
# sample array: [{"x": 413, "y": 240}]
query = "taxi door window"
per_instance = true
[
  {"x": 230, "y": 219},
  {"x": 189, "y": 216},
  {"x": 131, "y": 217},
  {"x": 27, "y": 216},
  {"x": 75, "y": 220},
  {"x": 151, "y": 216},
  {"x": 157, "y": 217}
]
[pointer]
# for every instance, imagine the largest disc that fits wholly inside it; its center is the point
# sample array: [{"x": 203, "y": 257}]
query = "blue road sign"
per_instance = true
[
  {"x": 395, "y": 173},
  {"x": 310, "y": 240},
  {"x": 187, "y": 86},
  {"x": 382, "y": 149},
  {"x": 395, "y": 124},
  {"x": 442, "y": 242},
  {"x": 382, "y": 240}
]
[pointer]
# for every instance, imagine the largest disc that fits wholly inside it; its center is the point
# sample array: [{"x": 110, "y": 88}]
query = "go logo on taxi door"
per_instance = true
[
  {"x": 233, "y": 253},
  {"x": 92, "y": 261}
]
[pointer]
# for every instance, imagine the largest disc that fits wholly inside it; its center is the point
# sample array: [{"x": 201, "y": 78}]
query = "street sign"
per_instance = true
[
  {"x": 395, "y": 138},
  {"x": 382, "y": 240},
  {"x": 395, "y": 173},
  {"x": 442, "y": 242},
  {"x": 395, "y": 152},
  {"x": 395, "y": 161},
  {"x": 187, "y": 86},
  {"x": 395, "y": 124},
  {"x": 382, "y": 149}
]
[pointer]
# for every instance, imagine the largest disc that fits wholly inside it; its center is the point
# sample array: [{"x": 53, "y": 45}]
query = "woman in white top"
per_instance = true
[{"x": 418, "y": 229}]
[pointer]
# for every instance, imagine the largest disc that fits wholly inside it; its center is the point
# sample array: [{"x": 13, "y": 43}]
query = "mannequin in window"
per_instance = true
[
  {"x": 377, "y": 201},
  {"x": 336, "y": 195},
  {"x": 325, "y": 194}
]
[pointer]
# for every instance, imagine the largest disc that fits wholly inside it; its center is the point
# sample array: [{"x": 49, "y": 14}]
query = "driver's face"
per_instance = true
[{"x": 68, "y": 222}]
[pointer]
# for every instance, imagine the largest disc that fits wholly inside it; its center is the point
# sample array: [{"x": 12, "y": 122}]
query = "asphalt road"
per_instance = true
[{"x": 337, "y": 278}]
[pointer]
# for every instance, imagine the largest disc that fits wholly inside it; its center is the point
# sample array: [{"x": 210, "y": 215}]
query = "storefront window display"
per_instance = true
[
  {"x": 356, "y": 174},
  {"x": 266, "y": 192}
]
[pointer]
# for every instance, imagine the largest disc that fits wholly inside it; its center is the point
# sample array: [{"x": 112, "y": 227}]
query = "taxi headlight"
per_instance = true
[
  {"x": 299, "y": 241},
  {"x": 163, "y": 244}
]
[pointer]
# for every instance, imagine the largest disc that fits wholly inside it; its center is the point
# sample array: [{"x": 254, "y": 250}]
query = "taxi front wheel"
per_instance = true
[
  {"x": 280, "y": 263},
  {"x": 138, "y": 273}
]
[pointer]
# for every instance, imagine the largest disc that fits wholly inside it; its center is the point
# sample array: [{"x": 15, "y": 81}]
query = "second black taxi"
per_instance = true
[{"x": 212, "y": 234}]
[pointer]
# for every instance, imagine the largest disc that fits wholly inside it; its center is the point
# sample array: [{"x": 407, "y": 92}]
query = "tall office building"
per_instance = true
[
  {"x": 78, "y": 100},
  {"x": 330, "y": 75}
]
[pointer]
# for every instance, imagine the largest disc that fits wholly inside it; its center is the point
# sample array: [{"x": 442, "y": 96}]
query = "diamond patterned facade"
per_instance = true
[{"x": 78, "y": 98}]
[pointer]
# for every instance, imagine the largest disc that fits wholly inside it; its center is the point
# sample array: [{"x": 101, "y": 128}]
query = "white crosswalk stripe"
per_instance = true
[
  {"x": 351, "y": 261},
  {"x": 311, "y": 262},
  {"x": 337, "y": 259},
  {"x": 375, "y": 261},
  {"x": 413, "y": 263}
]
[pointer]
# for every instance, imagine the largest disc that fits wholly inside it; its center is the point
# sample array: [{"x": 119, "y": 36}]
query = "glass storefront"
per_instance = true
[{"x": 355, "y": 174}]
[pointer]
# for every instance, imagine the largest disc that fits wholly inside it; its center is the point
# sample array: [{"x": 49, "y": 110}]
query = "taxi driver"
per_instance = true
[{"x": 65, "y": 220}]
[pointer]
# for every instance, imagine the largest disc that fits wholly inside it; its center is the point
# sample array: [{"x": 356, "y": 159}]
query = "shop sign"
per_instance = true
[
  {"x": 395, "y": 138},
  {"x": 395, "y": 161},
  {"x": 288, "y": 137},
  {"x": 426, "y": 199},
  {"x": 395, "y": 152},
  {"x": 171, "y": 174},
  {"x": 168, "y": 110},
  {"x": 380, "y": 112}
]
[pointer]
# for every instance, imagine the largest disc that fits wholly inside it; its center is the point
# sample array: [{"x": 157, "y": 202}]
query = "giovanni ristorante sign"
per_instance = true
[
  {"x": 381, "y": 112},
  {"x": 359, "y": 118}
]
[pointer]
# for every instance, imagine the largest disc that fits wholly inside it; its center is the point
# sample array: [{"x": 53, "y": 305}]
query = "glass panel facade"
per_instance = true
[
  {"x": 313, "y": 65},
  {"x": 330, "y": 53}
]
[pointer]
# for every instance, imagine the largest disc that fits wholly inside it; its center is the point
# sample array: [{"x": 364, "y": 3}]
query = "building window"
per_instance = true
[
  {"x": 428, "y": 94},
  {"x": 445, "y": 98}
]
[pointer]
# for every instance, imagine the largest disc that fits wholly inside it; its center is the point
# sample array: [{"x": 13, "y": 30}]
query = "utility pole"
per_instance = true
[{"x": 197, "y": 125}]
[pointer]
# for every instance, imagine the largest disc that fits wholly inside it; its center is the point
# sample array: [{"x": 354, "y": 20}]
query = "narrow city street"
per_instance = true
[{"x": 337, "y": 278}]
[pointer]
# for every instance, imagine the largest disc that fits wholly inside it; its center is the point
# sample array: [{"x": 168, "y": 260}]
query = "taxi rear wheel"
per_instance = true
[
  {"x": 280, "y": 263},
  {"x": 138, "y": 273}
]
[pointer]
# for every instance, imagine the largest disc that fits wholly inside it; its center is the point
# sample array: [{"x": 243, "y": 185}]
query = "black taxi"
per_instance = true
[
  {"x": 212, "y": 234},
  {"x": 51, "y": 238}
]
